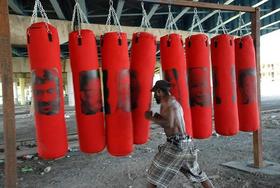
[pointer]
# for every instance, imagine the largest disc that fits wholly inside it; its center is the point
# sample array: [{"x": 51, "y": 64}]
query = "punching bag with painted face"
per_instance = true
[
  {"x": 224, "y": 85},
  {"x": 116, "y": 84},
  {"x": 44, "y": 54},
  {"x": 246, "y": 84},
  {"x": 143, "y": 60},
  {"x": 87, "y": 90},
  {"x": 198, "y": 63}
]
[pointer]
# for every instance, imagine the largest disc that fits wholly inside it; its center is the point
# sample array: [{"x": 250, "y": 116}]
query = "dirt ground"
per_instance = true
[{"x": 104, "y": 171}]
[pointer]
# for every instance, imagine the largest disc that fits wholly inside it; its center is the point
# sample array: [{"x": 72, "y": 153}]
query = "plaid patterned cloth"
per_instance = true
[{"x": 170, "y": 160}]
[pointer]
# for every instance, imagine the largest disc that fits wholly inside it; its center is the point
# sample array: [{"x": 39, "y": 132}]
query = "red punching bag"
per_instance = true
[
  {"x": 198, "y": 63},
  {"x": 246, "y": 84},
  {"x": 116, "y": 80},
  {"x": 174, "y": 68},
  {"x": 143, "y": 60},
  {"x": 224, "y": 85},
  {"x": 44, "y": 53},
  {"x": 87, "y": 89}
]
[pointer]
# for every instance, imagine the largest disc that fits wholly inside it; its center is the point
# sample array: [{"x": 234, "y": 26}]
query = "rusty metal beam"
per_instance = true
[
  {"x": 6, "y": 70},
  {"x": 214, "y": 6}
]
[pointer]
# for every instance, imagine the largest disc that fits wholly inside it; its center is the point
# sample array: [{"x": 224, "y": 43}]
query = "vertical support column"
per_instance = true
[
  {"x": 15, "y": 92},
  {"x": 160, "y": 72},
  {"x": 69, "y": 78},
  {"x": 70, "y": 89},
  {"x": 22, "y": 90},
  {"x": 6, "y": 70},
  {"x": 257, "y": 135}
]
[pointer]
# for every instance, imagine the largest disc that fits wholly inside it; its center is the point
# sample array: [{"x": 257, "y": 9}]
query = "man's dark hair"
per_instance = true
[
  {"x": 48, "y": 75},
  {"x": 163, "y": 85},
  {"x": 165, "y": 90}
]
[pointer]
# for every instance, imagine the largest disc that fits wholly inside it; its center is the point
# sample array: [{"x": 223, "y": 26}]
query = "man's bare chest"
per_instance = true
[{"x": 164, "y": 112}]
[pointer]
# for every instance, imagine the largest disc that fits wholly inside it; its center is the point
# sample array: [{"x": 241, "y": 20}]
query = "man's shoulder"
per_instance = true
[{"x": 174, "y": 103}]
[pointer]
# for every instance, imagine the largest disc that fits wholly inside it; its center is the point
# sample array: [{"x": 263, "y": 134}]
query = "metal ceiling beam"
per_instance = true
[
  {"x": 271, "y": 28},
  {"x": 83, "y": 6},
  {"x": 13, "y": 4},
  {"x": 237, "y": 16},
  {"x": 152, "y": 11},
  {"x": 184, "y": 11},
  {"x": 271, "y": 24},
  {"x": 57, "y": 9},
  {"x": 120, "y": 8},
  {"x": 28, "y": 11},
  {"x": 249, "y": 23},
  {"x": 16, "y": 53},
  {"x": 210, "y": 15}
]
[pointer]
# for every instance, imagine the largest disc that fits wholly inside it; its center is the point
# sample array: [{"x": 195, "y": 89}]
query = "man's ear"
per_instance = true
[{"x": 158, "y": 91}]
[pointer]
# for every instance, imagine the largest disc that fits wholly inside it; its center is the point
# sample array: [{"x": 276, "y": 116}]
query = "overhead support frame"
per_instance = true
[
  {"x": 194, "y": 4},
  {"x": 7, "y": 79}
]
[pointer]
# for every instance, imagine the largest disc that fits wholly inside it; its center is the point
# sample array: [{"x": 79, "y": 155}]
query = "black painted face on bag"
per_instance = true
[
  {"x": 90, "y": 92},
  {"x": 124, "y": 91},
  {"x": 200, "y": 93},
  {"x": 248, "y": 86},
  {"x": 46, "y": 91}
]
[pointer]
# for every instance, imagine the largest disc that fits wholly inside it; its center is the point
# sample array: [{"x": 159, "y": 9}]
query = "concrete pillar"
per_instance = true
[
  {"x": 31, "y": 109},
  {"x": 160, "y": 73},
  {"x": 1, "y": 94},
  {"x": 22, "y": 91},
  {"x": 70, "y": 89},
  {"x": 15, "y": 92}
]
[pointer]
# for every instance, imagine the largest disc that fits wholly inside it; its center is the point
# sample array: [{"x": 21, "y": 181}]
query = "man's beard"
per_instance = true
[{"x": 157, "y": 99}]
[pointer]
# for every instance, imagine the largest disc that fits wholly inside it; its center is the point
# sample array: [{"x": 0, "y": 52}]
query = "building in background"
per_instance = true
[{"x": 270, "y": 64}]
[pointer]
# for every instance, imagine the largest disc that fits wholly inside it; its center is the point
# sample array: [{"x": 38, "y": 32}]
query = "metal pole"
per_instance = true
[
  {"x": 6, "y": 70},
  {"x": 257, "y": 135}
]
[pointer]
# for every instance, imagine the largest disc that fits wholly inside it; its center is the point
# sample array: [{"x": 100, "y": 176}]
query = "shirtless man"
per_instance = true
[{"x": 177, "y": 153}]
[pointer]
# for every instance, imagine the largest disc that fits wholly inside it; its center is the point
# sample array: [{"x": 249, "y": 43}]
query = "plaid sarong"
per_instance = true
[{"x": 170, "y": 160}]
